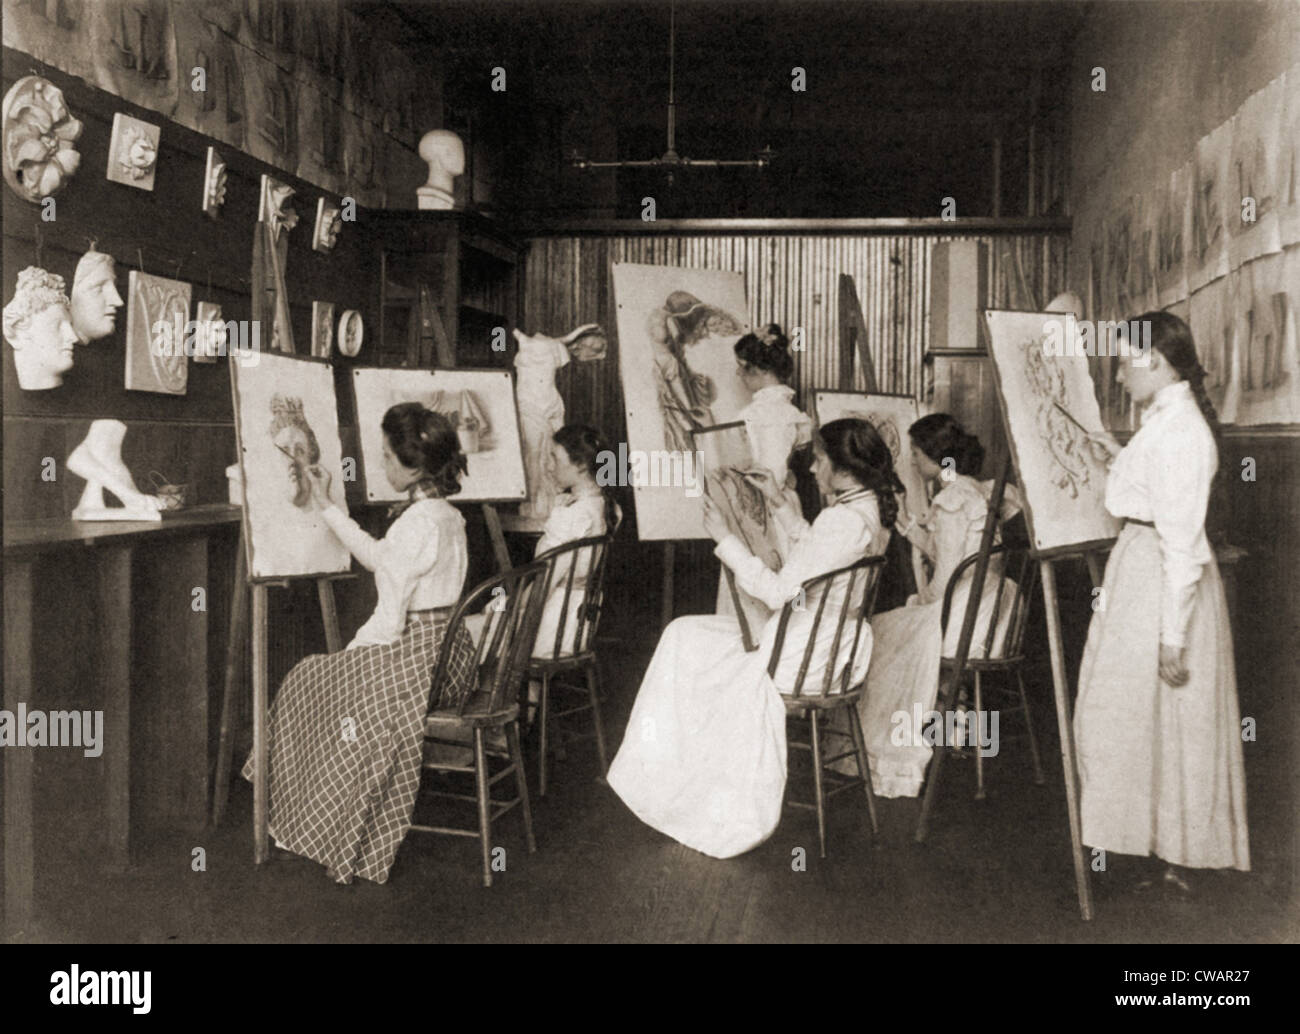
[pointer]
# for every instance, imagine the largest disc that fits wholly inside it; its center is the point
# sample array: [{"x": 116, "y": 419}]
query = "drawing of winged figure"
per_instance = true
[
  {"x": 1065, "y": 442},
  {"x": 685, "y": 397}
]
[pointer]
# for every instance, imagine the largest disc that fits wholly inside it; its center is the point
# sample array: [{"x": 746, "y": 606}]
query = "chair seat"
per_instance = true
[
  {"x": 472, "y": 718},
  {"x": 983, "y": 663},
  {"x": 793, "y": 705},
  {"x": 542, "y": 665}
]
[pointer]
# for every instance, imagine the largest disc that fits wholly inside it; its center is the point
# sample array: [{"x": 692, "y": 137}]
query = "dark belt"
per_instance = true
[{"x": 1134, "y": 520}]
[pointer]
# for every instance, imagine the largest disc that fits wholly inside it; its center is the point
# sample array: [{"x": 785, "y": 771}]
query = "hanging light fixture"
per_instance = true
[{"x": 670, "y": 160}]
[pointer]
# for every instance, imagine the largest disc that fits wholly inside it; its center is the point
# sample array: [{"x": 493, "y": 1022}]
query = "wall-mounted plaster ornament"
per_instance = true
[
  {"x": 98, "y": 459},
  {"x": 133, "y": 152},
  {"x": 39, "y": 133},
  {"x": 156, "y": 313},
  {"x": 95, "y": 300},
  {"x": 276, "y": 218},
  {"x": 214, "y": 184},
  {"x": 351, "y": 332},
  {"x": 38, "y": 324},
  {"x": 274, "y": 206},
  {"x": 210, "y": 339},
  {"x": 322, "y": 329},
  {"x": 445, "y": 154},
  {"x": 328, "y": 225}
]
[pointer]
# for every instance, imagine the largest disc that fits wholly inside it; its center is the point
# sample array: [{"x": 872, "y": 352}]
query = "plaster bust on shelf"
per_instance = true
[
  {"x": 95, "y": 300},
  {"x": 38, "y": 324},
  {"x": 445, "y": 154}
]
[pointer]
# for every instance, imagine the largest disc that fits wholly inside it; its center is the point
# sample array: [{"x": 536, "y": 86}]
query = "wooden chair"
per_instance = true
[
  {"x": 577, "y": 566},
  {"x": 1014, "y": 564},
  {"x": 514, "y": 601},
  {"x": 853, "y": 588}
]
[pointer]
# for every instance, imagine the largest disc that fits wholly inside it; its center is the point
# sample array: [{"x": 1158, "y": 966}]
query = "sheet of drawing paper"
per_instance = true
[
  {"x": 677, "y": 329},
  {"x": 1063, "y": 480}
]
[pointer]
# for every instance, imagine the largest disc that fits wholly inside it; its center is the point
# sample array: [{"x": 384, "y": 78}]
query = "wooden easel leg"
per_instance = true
[
  {"x": 499, "y": 549},
  {"x": 235, "y": 641},
  {"x": 1095, "y": 571},
  {"x": 261, "y": 768},
  {"x": 1060, "y": 687},
  {"x": 329, "y": 614},
  {"x": 946, "y": 698},
  {"x": 670, "y": 558}
]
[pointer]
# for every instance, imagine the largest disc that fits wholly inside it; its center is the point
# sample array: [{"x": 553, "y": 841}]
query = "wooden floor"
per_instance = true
[{"x": 994, "y": 871}]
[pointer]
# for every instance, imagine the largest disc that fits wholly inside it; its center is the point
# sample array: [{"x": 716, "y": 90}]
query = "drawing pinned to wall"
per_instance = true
[
  {"x": 133, "y": 152},
  {"x": 1268, "y": 369},
  {"x": 1211, "y": 200},
  {"x": 1063, "y": 477},
  {"x": 1288, "y": 160},
  {"x": 482, "y": 405},
  {"x": 1251, "y": 214},
  {"x": 677, "y": 329},
  {"x": 1212, "y": 318},
  {"x": 1173, "y": 231},
  {"x": 157, "y": 310},
  {"x": 891, "y": 415},
  {"x": 286, "y": 421},
  {"x": 322, "y": 329}
]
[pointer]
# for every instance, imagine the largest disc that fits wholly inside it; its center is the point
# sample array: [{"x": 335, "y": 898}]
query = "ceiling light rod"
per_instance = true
[{"x": 670, "y": 158}]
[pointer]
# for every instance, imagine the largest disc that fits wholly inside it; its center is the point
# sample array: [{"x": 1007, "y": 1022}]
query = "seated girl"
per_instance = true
[
  {"x": 909, "y": 640},
  {"x": 346, "y": 728},
  {"x": 703, "y": 758}
]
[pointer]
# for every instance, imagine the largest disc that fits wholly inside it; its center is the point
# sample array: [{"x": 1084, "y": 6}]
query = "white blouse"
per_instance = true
[
  {"x": 573, "y": 517},
  {"x": 419, "y": 565},
  {"x": 775, "y": 426},
  {"x": 1163, "y": 476},
  {"x": 842, "y": 534}
]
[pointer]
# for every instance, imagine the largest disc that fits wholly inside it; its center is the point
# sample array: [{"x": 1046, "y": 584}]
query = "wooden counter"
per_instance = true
[{"x": 149, "y": 664}]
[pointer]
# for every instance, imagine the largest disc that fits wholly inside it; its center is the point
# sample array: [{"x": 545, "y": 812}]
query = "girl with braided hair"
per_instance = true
[{"x": 1157, "y": 720}]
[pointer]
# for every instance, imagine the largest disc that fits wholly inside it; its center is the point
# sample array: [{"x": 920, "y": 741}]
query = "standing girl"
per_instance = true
[
  {"x": 704, "y": 755},
  {"x": 1156, "y": 720},
  {"x": 346, "y": 728}
]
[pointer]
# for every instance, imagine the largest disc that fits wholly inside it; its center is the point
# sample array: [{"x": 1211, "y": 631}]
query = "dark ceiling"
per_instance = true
[{"x": 902, "y": 99}]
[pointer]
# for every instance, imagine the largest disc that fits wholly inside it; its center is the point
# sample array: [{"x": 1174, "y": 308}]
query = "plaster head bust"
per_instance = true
[
  {"x": 38, "y": 324},
  {"x": 95, "y": 300},
  {"x": 445, "y": 154}
]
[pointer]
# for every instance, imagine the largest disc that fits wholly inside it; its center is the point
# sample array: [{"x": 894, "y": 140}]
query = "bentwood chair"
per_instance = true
[
  {"x": 850, "y": 593},
  {"x": 576, "y": 567},
  {"x": 513, "y": 602},
  {"x": 987, "y": 656}
]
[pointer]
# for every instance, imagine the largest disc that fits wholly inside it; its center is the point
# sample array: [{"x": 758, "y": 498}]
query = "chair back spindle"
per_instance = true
[{"x": 573, "y": 568}]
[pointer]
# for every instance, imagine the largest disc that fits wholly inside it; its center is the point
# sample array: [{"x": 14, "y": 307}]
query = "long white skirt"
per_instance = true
[
  {"x": 704, "y": 755},
  {"x": 904, "y": 675},
  {"x": 1160, "y": 768}
]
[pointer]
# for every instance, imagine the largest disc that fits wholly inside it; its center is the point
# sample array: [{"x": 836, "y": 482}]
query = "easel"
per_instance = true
[
  {"x": 242, "y": 588},
  {"x": 1060, "y": 683}
]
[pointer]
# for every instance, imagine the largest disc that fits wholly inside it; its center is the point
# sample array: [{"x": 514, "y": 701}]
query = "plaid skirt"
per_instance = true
[{"x": 345, "y": 735}]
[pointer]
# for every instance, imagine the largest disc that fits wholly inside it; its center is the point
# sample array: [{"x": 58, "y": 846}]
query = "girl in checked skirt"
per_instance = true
[
  {"x": 1156, "y": 720},
  {"x": 346, "y": 728}
]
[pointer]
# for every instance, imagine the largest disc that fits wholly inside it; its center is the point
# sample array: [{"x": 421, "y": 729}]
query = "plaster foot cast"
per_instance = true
[{"x": 98, "y": 459}]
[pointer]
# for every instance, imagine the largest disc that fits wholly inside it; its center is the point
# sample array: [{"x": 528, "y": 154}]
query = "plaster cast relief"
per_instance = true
[
  {"x": 133, "y": 152},
  {"x": 39, "y": 133}
]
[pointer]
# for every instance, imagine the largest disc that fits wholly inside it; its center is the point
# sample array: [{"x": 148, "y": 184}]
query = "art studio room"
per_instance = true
[{"x": 651, "y": 471}]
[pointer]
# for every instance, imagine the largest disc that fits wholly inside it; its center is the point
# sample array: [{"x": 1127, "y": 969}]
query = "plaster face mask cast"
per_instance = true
[
  {"x": 38, "y": 324},
  {"x": 95, "y": 300}
]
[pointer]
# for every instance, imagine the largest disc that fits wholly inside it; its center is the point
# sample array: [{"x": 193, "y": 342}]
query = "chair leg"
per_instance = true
[
  {"x": 517, "y": 760},
  {"x": 1029, "y": 725},
  {"x": 593, "y": 690},
  {"x": 544, "y": 718},
  {"x": 947, "y": 696},
  {"x": 979, "y": 752},
  {"x": 864, "y": 765},
  {"x": 817, "y": 780},
  {"x": 484, "y": 815}
]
